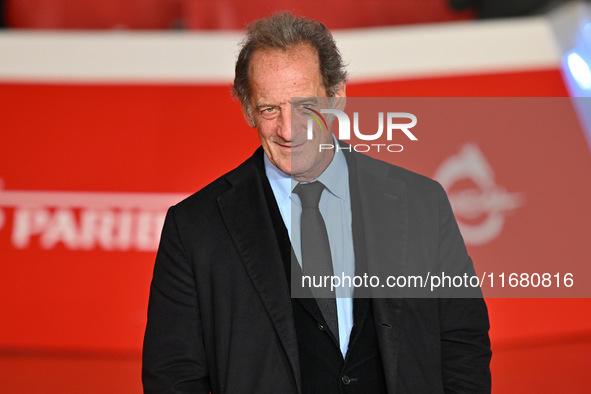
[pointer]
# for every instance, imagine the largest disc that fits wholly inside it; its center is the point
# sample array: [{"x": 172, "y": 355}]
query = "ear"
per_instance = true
[
  {"x": 342, "y": 92},
  {"x": 340, "y": 98},
  {"x": 248, "y": 116}
]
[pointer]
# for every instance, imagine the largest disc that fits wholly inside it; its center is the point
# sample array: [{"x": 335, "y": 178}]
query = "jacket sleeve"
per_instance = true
[
  {"x": 464, "y": 324},
  {"x": 173, "y": 359}
]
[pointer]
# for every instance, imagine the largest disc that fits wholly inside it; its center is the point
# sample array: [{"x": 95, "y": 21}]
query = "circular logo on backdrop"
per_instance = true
[{"x": 480, "y": 205}]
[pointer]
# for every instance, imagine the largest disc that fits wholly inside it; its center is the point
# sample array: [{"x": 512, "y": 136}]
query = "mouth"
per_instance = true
[{"x": 292, "y": 146}]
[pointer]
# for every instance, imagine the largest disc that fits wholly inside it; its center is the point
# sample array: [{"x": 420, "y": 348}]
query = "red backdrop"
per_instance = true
[{"x": 75, "y": 267}]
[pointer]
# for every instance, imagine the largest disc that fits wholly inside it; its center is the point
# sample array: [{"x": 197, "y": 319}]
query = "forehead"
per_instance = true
[
  {"x": 271, "y": 68},
  {"x": 301, "y": 52}
]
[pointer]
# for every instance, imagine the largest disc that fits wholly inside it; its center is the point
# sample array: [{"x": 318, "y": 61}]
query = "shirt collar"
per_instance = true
[
  {"x": 336, "y": 176},
  {"x": 279, "y": 180}
]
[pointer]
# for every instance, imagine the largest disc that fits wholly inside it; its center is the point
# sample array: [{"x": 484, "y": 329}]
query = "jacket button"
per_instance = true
[
  {"x": 320, "y": 327},
  {"x": 346, "y": 380}
]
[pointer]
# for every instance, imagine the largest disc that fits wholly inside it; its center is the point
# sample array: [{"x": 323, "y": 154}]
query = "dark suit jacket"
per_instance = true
[{"x": 220, "y": 315}]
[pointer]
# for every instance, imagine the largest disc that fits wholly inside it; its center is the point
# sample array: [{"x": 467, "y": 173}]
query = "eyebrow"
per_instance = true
[
  {"x": 306, "y": 100},
  {"x": 298, "y": 101},
  {"x": 259, "y": 106}
]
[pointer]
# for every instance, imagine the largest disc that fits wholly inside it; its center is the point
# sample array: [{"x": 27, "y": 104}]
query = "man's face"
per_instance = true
[{"x": 275, "y": 77}]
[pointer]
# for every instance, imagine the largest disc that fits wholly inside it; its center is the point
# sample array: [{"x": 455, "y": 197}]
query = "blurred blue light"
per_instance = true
[{"x": 580, "y": 71}]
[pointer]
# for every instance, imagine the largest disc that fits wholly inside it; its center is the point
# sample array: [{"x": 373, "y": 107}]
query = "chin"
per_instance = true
[
  {"x": 299, "y": 174},
  {"x": 285, "y": 168}
]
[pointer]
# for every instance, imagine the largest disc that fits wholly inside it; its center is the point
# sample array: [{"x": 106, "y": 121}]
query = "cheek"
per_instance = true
[
  {"x": 266, "y": 129},
  {"x": 267, "y": 141}
]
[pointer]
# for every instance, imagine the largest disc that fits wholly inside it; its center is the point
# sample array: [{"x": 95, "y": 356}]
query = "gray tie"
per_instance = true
[{"x": 316, "y": 256}]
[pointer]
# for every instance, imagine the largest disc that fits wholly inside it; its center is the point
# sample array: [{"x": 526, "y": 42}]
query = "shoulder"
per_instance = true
[
  {"x": 380, "y": 171},
  {"x": 245, "y": 174}
]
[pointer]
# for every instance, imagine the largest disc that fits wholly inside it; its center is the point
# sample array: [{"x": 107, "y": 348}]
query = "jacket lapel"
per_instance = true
[
  {"x": 384, "y": 220},
  {"x": 305, "y": 298},
  {"x": 246, "y": 214}
]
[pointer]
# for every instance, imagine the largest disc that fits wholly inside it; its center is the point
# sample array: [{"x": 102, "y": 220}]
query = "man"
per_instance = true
[{"x": 220, "y": 316}]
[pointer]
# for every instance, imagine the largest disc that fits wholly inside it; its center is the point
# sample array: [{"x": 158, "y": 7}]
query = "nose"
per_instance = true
[{"x": 284, "y": 123}]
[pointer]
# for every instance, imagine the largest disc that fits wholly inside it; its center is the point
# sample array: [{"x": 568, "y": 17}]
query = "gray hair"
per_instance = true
[{"x": 283, "y": 31}]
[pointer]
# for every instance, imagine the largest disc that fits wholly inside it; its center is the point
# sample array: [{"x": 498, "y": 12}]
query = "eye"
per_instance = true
[{"x": 269, "y": 112}]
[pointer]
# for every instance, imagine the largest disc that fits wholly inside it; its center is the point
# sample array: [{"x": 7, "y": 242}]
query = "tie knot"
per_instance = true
[{"x": 309, "y": 193}]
